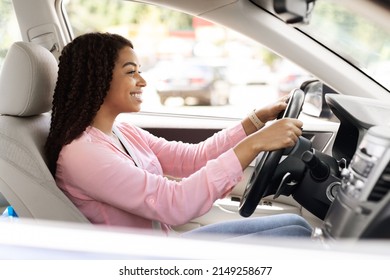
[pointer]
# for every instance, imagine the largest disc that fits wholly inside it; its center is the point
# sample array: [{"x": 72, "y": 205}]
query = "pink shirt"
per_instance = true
[{"x": 108, "y": 188}]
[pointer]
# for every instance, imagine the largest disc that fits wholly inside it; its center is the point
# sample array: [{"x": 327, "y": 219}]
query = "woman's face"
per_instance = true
[{"x": 125, "y": 93}]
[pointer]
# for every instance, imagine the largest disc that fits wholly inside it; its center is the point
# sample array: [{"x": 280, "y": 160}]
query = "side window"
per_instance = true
[
  {"x": 9, "y": 30},
  {"x": 192, "y": 66}
]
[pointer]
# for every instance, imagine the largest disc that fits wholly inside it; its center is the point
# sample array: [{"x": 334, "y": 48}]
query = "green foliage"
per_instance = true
[
  {"x": 344, "y": 27},
  {"x": 92, "y": 15},
  {"x": 100, "y": 15},
  {"x": 5, "y": 15}
]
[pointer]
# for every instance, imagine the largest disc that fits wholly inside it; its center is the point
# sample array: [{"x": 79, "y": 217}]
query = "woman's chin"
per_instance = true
[{"x": 135, "y": 109}]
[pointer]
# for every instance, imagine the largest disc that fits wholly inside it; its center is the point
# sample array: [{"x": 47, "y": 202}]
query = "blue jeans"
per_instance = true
[{"x": 281, "y": 225}]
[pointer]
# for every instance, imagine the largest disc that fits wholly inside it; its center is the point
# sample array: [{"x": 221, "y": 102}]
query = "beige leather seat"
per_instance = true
[{"x": 27, "y": 82}]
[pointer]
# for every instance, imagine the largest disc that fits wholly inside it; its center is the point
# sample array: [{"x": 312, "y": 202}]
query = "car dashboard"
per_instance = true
[
  {"x": 356, "y": 115},
  {"x": 361, "y": 208},
  {"x": 346, "y": 187}
]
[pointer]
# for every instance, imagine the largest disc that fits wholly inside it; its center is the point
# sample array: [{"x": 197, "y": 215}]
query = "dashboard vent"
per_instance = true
[{"x": 382, "y": 187}]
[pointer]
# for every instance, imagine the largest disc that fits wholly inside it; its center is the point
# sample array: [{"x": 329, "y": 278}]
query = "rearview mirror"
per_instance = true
[{"x": 291, "y": 11}]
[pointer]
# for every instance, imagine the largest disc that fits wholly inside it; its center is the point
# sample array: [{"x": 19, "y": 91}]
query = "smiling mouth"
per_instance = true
[{"x": 136, "y": 95}]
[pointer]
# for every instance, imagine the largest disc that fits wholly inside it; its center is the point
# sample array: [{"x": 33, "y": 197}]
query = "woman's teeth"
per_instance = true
[{"x": 136, "y": 95}]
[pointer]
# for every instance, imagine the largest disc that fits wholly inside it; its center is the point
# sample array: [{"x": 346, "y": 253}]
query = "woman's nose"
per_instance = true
[{"x": 141, "y": 81}]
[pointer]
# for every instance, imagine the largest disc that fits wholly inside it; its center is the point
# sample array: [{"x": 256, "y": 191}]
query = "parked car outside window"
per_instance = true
[{"x": 196, "y": 82}]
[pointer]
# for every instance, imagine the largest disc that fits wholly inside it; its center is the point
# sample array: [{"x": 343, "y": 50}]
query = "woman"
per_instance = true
[{"x": 115, "y": 172}]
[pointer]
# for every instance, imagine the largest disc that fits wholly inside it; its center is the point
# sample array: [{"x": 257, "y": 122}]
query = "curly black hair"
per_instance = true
[{"x": 84, "y": 76}]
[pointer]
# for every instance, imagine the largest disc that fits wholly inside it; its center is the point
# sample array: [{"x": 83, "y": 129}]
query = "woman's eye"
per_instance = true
[{"x": 133, "y": 72}]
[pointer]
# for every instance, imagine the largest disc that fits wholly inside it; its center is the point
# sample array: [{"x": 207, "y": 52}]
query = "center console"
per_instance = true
[{"x": 361, "y": 208}]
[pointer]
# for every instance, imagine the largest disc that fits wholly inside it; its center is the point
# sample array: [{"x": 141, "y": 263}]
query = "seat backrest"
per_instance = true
[{"x": 27, "y": 82}]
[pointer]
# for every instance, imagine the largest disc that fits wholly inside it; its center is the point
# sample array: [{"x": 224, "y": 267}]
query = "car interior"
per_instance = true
[{"x": 337, "y": 176}]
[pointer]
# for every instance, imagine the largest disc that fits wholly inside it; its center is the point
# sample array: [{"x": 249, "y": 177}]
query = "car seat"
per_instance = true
[{"x": 27, "y": 82}]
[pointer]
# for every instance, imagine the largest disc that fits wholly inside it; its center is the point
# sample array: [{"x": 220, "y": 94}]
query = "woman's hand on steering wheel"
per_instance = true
[
  {"x": 270, "y": 112},
  {"x": 272, "y": 140},
  {"x": 282, "y": 133}
]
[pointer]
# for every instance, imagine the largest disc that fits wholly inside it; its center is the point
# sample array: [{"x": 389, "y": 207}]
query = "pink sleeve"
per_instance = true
[
  {"x": 182, "y": 159},
  {"x": 103, "y": 176}
]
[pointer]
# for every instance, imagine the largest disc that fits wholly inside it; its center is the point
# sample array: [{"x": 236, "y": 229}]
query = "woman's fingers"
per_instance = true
[{"x": 280, "y": 134}]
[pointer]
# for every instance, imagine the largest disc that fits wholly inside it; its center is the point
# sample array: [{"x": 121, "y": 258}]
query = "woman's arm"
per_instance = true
[
  {"x": 263, "y": 115},
  {"x": 182, "y": 159},
  {"x": 93, "y": 172},
  {"x": 282, "y": 133}
]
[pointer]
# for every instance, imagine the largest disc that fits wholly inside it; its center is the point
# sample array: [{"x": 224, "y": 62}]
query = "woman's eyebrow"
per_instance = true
[{"x": 130, "y": 63}]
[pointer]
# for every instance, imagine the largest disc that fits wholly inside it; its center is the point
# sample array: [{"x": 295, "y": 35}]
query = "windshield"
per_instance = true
[{"x": 362, "y": 41}]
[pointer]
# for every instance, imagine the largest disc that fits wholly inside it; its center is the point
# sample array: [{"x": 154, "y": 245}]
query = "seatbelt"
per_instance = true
[{"x": 126, "y": 145}]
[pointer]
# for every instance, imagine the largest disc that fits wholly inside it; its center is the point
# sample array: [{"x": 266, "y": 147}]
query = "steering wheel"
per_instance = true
[{"x": 257, "y": 186}]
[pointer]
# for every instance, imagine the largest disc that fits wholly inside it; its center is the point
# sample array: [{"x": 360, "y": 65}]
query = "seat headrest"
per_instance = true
[{"x": 27, "y": 80}]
